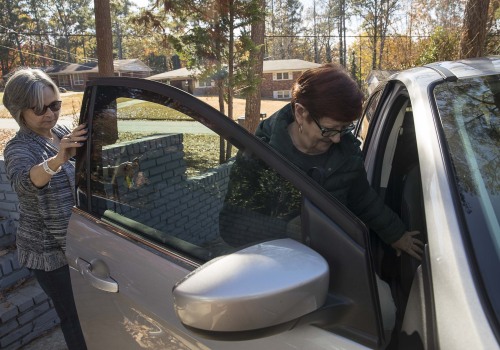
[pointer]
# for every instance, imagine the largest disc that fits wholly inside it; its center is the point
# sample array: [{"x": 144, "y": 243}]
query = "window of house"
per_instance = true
[
  {"x": 283, "y": 76},
  {"x": 64, "y": 80},
  {"x": 282, "y": 94},
  {"x": 205, "y": 83},
  {"x": 78, "y": 79}
]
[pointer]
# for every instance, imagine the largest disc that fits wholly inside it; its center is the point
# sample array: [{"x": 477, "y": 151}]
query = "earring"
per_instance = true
[{"x": 300, "y": 128}]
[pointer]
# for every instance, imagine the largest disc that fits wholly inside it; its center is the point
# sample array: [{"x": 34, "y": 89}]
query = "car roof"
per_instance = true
[
  {"x": 449, "y": 70},
  {"x": 473, "y": 67},
  {"x": 420, "y": 78}
]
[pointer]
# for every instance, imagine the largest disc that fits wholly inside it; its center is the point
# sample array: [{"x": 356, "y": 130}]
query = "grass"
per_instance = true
[
  {"x": 72, "y": 102},
  {"x": 71, "y": 105},
  {"x": 151, "y": 111},
  {"x": 202, "y": 153}
]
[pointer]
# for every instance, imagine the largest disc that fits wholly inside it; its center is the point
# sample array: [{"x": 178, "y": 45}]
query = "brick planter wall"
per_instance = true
[
  {"x": 25, "y": 310},
  {"x": 163, "y": 202}
]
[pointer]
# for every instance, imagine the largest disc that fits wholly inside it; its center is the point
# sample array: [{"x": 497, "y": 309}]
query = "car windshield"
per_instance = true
[{"x": 470, "y": 115}]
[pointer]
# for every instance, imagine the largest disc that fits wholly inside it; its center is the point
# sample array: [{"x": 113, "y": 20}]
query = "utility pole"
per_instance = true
[{"x": 316, "y": 54}]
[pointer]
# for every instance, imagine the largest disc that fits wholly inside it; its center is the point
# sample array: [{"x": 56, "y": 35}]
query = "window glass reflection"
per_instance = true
[{"x": 155, "y": 171}]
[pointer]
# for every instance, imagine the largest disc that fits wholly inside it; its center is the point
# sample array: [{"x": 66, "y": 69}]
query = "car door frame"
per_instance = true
[
  {"x": 316, "y": 201},
  {"x": 420, "y": 312}
]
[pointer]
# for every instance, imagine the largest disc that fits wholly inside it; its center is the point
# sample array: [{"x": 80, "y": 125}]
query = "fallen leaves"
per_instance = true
[{"x": 5, "y": 135}]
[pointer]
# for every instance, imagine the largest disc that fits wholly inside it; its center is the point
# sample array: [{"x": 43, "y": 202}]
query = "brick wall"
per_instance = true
[
  {"x": 239, "y": 226},
  {"x": 24, "y": 315},
  {"x": 269, "y": 85},
  {"x": 25, "y": 310},
  {"x": 8, "y": 199},
  {"x": 178, "y": 206}
]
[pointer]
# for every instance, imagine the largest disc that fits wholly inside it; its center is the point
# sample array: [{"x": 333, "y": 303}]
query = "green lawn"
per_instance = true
[
  {"x": 150, "y": 111},
  {"x": 201, "y": 151}
]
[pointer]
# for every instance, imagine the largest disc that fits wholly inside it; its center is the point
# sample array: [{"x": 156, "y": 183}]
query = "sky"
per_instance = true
[{"x": 140, "y": 3}]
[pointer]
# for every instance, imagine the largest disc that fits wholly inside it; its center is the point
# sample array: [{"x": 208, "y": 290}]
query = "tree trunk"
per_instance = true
[
  {"x": 222, "y": 142},
  {"x": 253, "y": 100},
  {"x": 12, "y": 21},
  {"x": 474, "y": 29},
  {"x": 230, "y": 90},
  {"x": 375, "y": 36},
  {"x": 315, "y": 33},
  {"x": 104, "y": 38}
]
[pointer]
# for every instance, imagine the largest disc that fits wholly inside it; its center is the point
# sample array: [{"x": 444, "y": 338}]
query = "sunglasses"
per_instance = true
[
  {"x": 54, "y": 107},
  {"x": 329, "y": 132}
]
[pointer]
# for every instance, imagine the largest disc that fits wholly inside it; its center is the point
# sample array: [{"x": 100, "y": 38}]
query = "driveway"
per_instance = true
[{"x": 142, "y": 126}]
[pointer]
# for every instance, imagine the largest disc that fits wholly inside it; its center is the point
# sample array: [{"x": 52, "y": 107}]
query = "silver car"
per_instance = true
[{"x": 179, "y": 243}]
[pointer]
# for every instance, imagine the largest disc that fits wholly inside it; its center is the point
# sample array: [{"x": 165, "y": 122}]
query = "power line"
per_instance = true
[
  {"x": 71, "y": 35},
  {"x": 11, "y": 31},
  {"x": 40, "y": 56},
  {"x": 347, "y": 36}
]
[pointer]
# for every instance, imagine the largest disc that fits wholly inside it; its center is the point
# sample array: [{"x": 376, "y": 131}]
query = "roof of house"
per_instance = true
[
  {"x": 269, "y": 67},
  {"x": 180, "y": 73},
  {"x": 128, "y": 65},
  {"x": 288, "y": 65}
]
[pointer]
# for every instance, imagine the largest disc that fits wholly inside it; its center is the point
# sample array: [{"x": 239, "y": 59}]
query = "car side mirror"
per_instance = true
[{"x": 261, "y": 286}]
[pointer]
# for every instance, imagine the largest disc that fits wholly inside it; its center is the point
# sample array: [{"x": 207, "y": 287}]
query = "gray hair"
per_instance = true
[{"x": 24, "y": 90}]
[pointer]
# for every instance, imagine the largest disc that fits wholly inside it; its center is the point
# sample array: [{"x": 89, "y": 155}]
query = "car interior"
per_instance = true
[{"x": 400, "y": 185}]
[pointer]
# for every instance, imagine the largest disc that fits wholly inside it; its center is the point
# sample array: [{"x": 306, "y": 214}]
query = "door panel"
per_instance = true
[
  {"x": 141, "y": 315},
  {"x": 138, "y": 315}
]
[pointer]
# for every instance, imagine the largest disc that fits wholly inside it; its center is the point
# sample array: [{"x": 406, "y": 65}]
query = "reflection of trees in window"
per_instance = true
[
  {"x": 256, "y": 187},
  {"x": 469, "y": 112}
]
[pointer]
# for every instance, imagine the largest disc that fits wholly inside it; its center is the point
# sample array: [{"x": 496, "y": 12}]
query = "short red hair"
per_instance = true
[{"x": 328, "y": 91}]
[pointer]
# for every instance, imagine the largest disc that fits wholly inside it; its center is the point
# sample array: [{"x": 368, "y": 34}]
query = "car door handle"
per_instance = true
[{"x": 97, "y": 274}]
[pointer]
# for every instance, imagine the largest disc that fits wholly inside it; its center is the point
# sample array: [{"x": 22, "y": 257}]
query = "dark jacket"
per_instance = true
[
  {"x": 343, "y": 175},
  {"x": 43, "y": 212}
]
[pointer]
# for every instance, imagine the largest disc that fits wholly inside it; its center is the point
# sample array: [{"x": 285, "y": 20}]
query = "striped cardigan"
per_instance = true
[{"x": 44, "y": 212}]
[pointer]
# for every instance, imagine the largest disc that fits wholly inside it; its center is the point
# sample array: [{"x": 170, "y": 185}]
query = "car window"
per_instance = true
[
  {"x": 469, "y": 112},
  {"x": 157, "y": 172},
  {"x": 369, "y": 111}
]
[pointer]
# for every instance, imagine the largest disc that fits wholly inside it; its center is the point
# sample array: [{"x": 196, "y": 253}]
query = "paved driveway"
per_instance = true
[{"x": 143, "y": 126}]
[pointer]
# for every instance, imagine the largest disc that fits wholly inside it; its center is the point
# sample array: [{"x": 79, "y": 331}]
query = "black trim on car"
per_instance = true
[
  {"x": 446, "y": 74},
  {"x": 430, "y": 305},
  {"x": 130, "y": 236}
]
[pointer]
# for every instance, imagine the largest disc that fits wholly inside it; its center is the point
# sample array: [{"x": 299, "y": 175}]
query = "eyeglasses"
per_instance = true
[
  {"x": 54, "y": 107},
  {"x": 329, "y": 132}
]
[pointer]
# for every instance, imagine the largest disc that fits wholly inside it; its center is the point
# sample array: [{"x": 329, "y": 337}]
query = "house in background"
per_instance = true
[
  {"x": 278, "y": 77},
  {"x": 184, "y": 79},
  {"x": 74, "y": 76}
]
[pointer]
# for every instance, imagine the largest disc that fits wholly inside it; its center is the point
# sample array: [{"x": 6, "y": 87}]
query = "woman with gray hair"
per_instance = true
[{"x": 38, "y": 160}]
